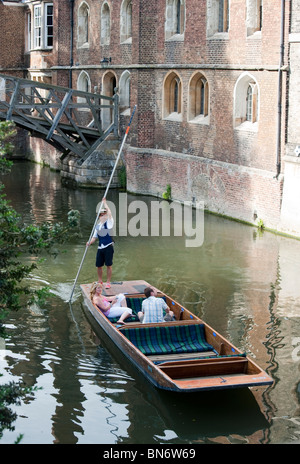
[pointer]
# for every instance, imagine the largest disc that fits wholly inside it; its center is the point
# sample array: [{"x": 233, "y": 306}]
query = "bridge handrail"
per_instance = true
[
  {"x": 43, "y": 85},
  {"x": 77, "y": 124}
]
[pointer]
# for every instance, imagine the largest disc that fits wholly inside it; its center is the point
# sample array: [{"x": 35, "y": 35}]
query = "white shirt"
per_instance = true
[
  {"x": 152, "y": 308},
  {"x": 110, "y": 224}
]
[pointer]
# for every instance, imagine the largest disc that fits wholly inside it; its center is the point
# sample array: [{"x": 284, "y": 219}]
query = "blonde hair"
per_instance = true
[{"x": 94, "y": 286}]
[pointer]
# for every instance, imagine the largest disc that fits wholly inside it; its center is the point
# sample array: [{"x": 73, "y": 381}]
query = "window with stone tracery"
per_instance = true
[
  {"x": 198, "y": 99},
  {"x": 172, "y": 108}
]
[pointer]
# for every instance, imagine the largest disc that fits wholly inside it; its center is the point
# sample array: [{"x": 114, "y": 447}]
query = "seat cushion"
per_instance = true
[{"x": 169, "y": 340}]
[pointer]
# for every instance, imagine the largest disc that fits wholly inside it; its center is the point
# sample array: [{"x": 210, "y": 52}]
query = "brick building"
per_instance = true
[{"x": 216, "y": 84}]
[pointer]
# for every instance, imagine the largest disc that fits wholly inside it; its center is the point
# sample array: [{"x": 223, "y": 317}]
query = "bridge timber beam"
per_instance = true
[{"x": 68, "y": 119}]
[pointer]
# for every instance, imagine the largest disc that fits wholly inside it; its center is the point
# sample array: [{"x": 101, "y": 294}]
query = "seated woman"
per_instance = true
[{"x": 111, "y": 306}]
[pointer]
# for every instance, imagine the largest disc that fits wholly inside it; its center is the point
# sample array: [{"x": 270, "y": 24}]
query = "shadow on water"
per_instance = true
[{"x": 196, "y": 417}]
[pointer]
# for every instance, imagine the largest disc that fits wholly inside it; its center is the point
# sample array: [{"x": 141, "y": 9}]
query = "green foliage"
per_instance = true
[
  {"x": 18, "y": 242},
  {"x": 260, "y": 225},
  {"x": 7, "y": 130},
  {"x": 167, "y": 194},
  {"x": 11, "y": 393}
]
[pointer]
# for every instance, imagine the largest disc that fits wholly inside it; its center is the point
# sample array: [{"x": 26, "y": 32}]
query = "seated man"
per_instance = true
[{"x": 152, "y": 308}]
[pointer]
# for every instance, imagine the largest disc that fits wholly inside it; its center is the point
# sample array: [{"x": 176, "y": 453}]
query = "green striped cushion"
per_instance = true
[
  {"x": 168, "y": 340},
  {"x": 135, "y": 304}
]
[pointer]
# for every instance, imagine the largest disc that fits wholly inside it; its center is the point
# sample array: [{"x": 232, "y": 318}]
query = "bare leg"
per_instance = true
[
  {"x": 109, "y": 274},
  {"x": 99, "y": 272},
  {"x": 124, "y": 316}
]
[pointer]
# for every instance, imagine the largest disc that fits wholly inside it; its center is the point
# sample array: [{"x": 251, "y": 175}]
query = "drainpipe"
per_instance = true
[
  {"x": 281, "y": 60},
  {"x": 71, "y": 42}
]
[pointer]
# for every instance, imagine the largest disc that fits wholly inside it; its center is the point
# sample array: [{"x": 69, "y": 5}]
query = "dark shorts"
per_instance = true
[{"x": 105, "y": 256}]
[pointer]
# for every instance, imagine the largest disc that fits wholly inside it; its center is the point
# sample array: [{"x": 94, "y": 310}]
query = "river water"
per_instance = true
[{"x": 243, "y": 283}]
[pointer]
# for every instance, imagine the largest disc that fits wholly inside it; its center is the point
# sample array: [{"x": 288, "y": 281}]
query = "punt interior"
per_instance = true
[{"x": 185, "y": 348}]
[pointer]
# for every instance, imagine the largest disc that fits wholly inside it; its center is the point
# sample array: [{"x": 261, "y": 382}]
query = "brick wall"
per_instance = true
[
  {"x": 12, "y": 27},
  {"x": 232, "y": 168},
  {"x": 243, "y": 193},
  {"x": 221, "y": 59}
]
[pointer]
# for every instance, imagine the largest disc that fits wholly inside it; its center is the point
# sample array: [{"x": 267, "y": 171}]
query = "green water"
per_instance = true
[{"x": 244, "y": 284}]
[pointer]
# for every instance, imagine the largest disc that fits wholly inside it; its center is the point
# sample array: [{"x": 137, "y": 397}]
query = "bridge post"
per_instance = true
[
  {"x": 60, "y": 113},
  {"x": 116, "y": 112},
  {"x": 13, "y": 100}
]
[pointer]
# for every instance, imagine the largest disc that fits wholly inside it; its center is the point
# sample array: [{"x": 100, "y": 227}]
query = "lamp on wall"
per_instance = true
[{"x": 105, "y": 61}]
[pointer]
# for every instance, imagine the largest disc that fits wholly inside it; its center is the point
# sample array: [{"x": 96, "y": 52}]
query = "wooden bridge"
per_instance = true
[{"x": 70, "y": 120}]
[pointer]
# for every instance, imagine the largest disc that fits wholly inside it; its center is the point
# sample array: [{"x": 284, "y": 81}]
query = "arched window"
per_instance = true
[
  {"x": 124, "y": 89},
  {"x": 105, "y": 24},
  {"x": 84, "y": 85},
  {"x": 109, "y": 84},
  {"x": 172, "y": 97},
  {"x": 175, "y": 18},
  {"x": 126, "y": 21},
  {"x": 246, "y": 101},
  {"x": 198, "y": 98},
  {"x": 83, "y": 24}
]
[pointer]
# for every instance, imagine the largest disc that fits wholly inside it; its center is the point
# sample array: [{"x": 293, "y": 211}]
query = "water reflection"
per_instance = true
[{"x": 242, "y": 283}]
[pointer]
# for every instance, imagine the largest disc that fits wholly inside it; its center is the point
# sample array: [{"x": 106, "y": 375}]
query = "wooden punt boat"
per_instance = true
[{"x": 184, "y": 355}]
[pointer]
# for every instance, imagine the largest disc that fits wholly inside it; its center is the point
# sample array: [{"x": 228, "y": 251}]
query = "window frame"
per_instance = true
[
  {"x": 83, "y": 30},
  {"x": 218, "y": 19},
  {"x": 198, "y": 109},
  {"x": 223, "y": 16},
  {"x": 47, "y": 35},
  {"x": 246, "y": 103},
  {"x": 124, "y": 92},
  {"x": 105, "y": 20},
  {"x": 175, "y": 20},
  {"x": 37, "y": 27},
  {"x": 37, "y": 36},
  {"x": 172, "y": 97},
  {"x": 126, "y": 22},
  {"x": 254, "y": 17},
  {"x": 83, "y": 80},
  {"x": 28, "y": 32}
]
